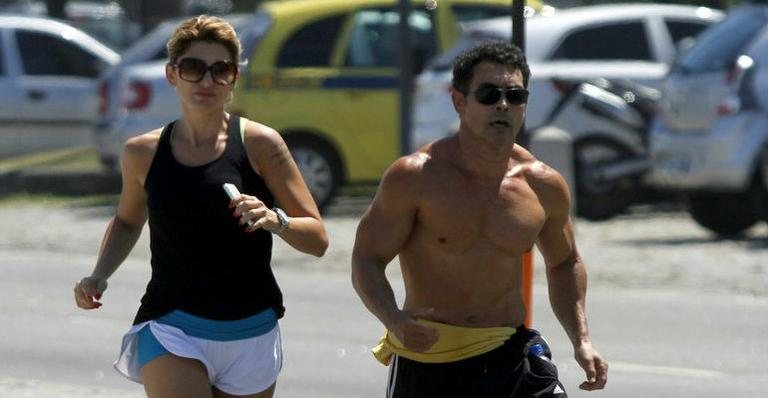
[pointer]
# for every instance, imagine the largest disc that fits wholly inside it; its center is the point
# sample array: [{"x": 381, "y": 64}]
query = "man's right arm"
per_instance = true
[{"x": 382, "y": 232}]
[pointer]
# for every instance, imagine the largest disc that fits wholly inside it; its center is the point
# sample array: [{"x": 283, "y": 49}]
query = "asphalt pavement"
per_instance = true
[{"x": 676, "y": 311}]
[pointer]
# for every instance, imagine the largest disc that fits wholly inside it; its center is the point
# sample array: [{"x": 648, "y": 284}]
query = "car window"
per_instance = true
[
  {"x": 469, "y": 13},
  {"x": 718, "y": 47},
  {"x": 375, "y": 38},
  {"x": 305, "y": 48},
  {"x": 44, "y": 54},
  {"x": 682, "y": 30},
  {"x": 617, "y": 41}
]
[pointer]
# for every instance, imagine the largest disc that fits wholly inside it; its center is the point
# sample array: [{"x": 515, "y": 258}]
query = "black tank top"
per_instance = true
[{"x": 203, "y": 262}]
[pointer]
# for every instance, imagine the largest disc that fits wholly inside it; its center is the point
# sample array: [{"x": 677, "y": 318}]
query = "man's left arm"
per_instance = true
[{"x": 567, "y": 281}]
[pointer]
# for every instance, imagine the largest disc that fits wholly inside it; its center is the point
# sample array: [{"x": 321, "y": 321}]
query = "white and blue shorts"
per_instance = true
[{"x": 242, "y": 357}]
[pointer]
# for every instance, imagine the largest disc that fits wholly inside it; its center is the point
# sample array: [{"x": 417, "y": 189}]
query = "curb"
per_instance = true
[{"x": 73, "y": 183}]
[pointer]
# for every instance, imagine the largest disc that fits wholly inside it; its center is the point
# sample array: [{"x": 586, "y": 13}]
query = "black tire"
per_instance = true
[
  {"x": 320, "y": 167},
  {"x": 724, "y": 214},
  {"x": 596, "y": 199}
]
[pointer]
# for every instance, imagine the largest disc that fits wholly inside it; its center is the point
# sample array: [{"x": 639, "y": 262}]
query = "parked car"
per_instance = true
[
  {"x": 334, "y": 61},
  {"x": 48, "y": 81},
  {"x": 134, "y": 95},
  {"x": 637, "y": 42},
  {"x": 710, "y": 140}
]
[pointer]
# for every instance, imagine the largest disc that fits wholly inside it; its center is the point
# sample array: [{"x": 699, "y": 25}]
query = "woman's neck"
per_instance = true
[{"x": 201, "y": 130}]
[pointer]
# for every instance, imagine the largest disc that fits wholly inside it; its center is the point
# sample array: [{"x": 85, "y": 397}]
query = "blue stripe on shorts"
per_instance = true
[{"x": 150, "y": 348}]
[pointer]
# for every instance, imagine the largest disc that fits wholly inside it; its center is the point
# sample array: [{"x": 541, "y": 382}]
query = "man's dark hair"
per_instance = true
[{"x": 498, "y": 52}]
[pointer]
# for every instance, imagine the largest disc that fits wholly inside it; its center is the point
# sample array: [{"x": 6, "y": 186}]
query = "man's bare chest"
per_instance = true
[{"x": 504, "y": 217}]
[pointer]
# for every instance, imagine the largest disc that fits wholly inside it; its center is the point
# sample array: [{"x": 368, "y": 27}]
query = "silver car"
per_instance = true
[
  {"x": 48, "y": 75},
  {"x": 711, "y": 139}
]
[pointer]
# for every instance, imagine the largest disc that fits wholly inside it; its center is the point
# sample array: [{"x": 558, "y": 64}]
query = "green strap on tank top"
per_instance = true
[{"x": 243, "y": 122}]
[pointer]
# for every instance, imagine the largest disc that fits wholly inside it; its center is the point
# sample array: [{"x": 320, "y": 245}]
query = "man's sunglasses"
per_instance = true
[
  {"x": 193, "y": 70},
  {"x": 489, "y": 94}
]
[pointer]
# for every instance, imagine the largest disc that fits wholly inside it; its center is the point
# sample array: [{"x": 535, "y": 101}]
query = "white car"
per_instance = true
[
  {"x": 48, "y": 81},
  {"x": 623, "y": 41},
  {"x": 710, "y": 140},
  {"x": 135, "y": 96}
]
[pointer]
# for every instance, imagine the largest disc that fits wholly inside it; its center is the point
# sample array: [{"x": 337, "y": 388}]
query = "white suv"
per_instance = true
[{"x": 711, "y": 139}]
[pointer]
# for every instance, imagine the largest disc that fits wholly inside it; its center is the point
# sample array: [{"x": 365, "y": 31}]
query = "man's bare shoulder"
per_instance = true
[
  {"x": 407, "y": 168},
  {"x": 547, "y": 182},
  {"x": 408, "y": 176}
]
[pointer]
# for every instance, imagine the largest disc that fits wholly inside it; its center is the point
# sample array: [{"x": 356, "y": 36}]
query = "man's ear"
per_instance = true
[
  {"x": 169, "y": 75},
  {"x": 458, "y": 99}
]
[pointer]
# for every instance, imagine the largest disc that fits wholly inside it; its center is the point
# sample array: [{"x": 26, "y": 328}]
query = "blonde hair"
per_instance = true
[{"x": 203, "y": 28}]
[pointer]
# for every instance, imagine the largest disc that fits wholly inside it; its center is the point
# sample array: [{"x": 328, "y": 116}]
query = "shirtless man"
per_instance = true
[{"x": 460, "y": 213}]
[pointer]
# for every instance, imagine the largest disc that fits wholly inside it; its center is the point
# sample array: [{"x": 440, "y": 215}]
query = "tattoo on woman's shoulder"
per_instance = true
[{"x": 280, "y": 154}]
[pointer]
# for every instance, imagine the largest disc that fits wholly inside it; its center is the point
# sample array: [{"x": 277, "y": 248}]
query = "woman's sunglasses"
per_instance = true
[
  {"x": 489, "y": 94},
  {"x": 193, "y": 70}
]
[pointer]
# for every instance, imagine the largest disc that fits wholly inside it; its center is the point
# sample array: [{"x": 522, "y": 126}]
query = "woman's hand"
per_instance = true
[
  {"x": 254, "y": 213},
  {"x": 88, "y": 291}
]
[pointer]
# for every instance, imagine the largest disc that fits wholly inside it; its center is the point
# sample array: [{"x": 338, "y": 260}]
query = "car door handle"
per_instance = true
[{"x": 36, "y": 95}]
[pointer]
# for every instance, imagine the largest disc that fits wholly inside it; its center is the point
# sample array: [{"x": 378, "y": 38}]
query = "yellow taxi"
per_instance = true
[{"x": 325, "y": 75}]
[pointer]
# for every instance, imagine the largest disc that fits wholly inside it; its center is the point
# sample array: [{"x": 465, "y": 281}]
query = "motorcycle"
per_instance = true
[{"x": 608, "y": 121}]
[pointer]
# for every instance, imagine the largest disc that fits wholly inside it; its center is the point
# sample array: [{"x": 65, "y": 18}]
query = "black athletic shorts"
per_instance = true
[{"x": 521, "y": 368}]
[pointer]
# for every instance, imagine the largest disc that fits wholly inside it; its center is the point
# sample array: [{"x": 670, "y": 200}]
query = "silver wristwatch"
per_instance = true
[{"x": 284, "y": 220}]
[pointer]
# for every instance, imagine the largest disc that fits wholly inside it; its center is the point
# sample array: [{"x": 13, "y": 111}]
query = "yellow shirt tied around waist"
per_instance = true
[{"x": 455, "y": 343}]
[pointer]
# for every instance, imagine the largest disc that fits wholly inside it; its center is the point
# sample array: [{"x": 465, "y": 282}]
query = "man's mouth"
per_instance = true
[{"x": 500, "y": 123}]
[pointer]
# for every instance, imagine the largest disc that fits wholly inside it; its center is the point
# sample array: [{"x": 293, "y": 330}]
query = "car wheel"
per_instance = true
[
  {"x": 319, "y": 167},
  {"x": 724, "y": 214},
  {"x": 597, "y": 198}
]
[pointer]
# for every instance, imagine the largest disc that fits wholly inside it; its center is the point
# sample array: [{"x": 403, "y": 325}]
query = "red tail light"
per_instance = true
[
  {"x": 139, "y": 94},
  {"x": 729, "y": 105},
  {"x": 103, "y": 97}
]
